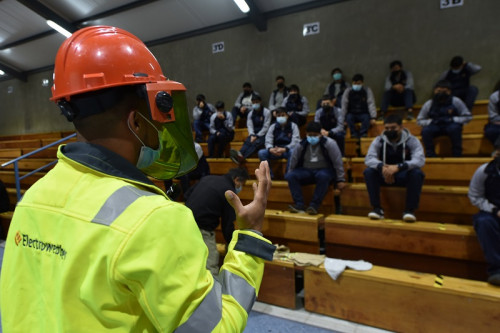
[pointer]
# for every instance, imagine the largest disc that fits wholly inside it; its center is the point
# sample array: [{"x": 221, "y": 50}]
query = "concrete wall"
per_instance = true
[{"x": 357, "y": 35}]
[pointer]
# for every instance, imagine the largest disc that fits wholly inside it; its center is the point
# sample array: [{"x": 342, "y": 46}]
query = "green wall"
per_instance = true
[{"x": 357, "y": 35}]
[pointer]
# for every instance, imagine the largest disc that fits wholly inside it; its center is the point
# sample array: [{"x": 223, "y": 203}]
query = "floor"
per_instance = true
[{"x": 265, "y": 318}]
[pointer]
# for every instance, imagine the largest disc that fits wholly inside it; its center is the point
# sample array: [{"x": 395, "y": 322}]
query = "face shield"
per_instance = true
[{"x": 168, "y": 108}]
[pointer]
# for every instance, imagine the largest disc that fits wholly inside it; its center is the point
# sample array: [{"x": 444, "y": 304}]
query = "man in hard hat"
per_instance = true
[{"x": 94, "y": 245}]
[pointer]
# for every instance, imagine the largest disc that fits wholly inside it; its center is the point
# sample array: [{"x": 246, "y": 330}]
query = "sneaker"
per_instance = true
[
  {"x": 235, "y": 156},
  {"x": 409, "y": 217},
  {"x": 409, "y": 115},
  {"x": 494, "y": 279},
  {"x": 294, "y": 209},
  {"x": 311, "y": 211},
  {"x": 376, "y": 214}
]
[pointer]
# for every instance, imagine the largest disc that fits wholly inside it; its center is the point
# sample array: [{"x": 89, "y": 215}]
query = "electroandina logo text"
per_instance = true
[{"x": 26, "y": 241}]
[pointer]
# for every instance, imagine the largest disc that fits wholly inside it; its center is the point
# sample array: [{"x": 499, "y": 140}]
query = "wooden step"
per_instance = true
[
  {"x": 28, "y": 164},
  {"x": 456, "y": 171},
  {"x": 446, "y": 204},
  {"x": 404, "y": 301},
  {"x": 472, "y": 145},
  {"x": 10, "y": 153},
  {"x": 9, "y": 179},
  {"x": 278, "y": 284},
  {"x": 430, "y": 247},
  {"x": 46, "y": 153},
  {"x": 32, "y": 136},
  {"x": 30, "y": 143}
]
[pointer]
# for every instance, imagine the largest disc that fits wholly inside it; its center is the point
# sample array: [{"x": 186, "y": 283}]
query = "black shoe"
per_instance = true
[
  {"x": 376, "y": 214},
  {"x": 295, "y": 209},
  {"x": 234, "y": 155},
  {"x": 311, "y": 211}
]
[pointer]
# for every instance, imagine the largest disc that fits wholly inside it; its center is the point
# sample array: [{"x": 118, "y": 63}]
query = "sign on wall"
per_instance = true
[
  {"x": 218, "y": 47},
  {"x": 310, "y": 29},
  {"x": 450, "y": 3}
]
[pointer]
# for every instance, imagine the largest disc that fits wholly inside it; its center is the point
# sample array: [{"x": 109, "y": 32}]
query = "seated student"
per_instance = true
[
  {"x": 221, "y": 131},
  {"x": 258, "y": 122},
  {"x": 492, "y": 128},
  {"x": 278, "y": 94},
  {"x": 395, "y": 158},
  {"x": 399, "y": 90},
  {"x": 444, "y": 114},
  {"x": 281, "y": 138},
  {"x": 332, "y": 123},
  {"x": 336, "y": 88},
  {"x": 201, "y": 116},
  {"x": 484, "y": 194},
  {"x": 243, "y": 104},
  {"x": 459, "y": 76},
  {"x": 316, "y": 160},
  {"x": 296, "y": 106},
  {"x": 358, "y": 106}
]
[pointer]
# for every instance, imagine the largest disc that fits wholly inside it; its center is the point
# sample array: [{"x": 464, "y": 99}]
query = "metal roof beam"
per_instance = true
[{"x": 13, "y": 72}]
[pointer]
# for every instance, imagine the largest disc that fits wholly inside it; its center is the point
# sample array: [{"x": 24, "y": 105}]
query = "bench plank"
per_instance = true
[{"x": 278, "y": 284}]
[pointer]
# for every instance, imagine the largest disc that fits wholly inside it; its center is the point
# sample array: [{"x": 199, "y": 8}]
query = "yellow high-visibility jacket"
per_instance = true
[{"x": 94, "y": 246}]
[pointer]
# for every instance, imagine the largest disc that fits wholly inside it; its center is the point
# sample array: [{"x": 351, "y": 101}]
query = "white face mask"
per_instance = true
[{"x": 147, "y": 155}]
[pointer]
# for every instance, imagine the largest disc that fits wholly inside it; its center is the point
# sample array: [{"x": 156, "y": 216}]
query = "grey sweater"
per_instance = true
[{"x": 476, "y": 190}]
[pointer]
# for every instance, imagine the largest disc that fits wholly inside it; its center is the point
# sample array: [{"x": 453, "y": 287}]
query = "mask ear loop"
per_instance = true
[{"x": 146, "y": 119}]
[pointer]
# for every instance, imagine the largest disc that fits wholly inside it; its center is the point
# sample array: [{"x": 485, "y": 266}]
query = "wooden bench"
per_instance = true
[
  {"x": 447, "y": 204},
  {"x": 472, "y": 145},
  {"x": 430, "y": 247},
  {"x": 404, "y": 301},
  {"x": 455, "y": 171},
  {"x": 31, "y": 143},
  {"x": 31, "y": 136},
  {"x": 27, "y": 164},
  {"x": 278, "y": 284},
  {"x": 220, "y": 166}
]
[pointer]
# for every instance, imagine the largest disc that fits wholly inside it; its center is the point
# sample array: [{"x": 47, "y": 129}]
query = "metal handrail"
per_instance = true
[{"x": 17, "y": 159}]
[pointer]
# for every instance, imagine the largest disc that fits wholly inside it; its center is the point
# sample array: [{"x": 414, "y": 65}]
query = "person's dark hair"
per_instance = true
[
  {"x": 456, "y": 61},
  {"x": 200, "y": 97},
  {"x": 326, "y": 97},
  {"x": 393, "y": 119},
  {"x": 394, "y": 63},
  {"x": 294, "y": 87},
  {"x": 219, "y": 105},
  {"x": 280, "y": 110},
  {"x": 313, "y": 127},
  {"x": 358, "y": 77},
  {"x": 279, "y": 77},
  {"x": 239, "y": 173},
  {"x": 256, "y": 97},
  {"x": 443, "y": 84},
  {"x": 247, "y": 85},
  {"x": 336, "y": 69}
]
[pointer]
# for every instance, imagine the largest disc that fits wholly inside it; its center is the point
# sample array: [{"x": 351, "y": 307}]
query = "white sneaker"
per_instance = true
[
  {"x": 409, "y": 217},
  {"x": 376, "y": 214}
]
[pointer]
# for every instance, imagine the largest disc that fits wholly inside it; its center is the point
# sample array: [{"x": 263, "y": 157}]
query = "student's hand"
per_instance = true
[
  {"x": 243, "y": 109},
  {"x": 388, "y": 172},
  {"x": 324, "y": 132},
  {"x": 253, "y": 138},
  {"x": 251, "y": 216},
  {"x": 372, "y": 122},
  {"x": 341, "y": 185}
]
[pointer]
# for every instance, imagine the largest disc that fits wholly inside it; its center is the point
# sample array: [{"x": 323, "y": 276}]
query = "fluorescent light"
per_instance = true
[
  {"x": 2, "y": 72},
  {"x": 58, "y": 28},
  {"x": 242, "y": 5}
]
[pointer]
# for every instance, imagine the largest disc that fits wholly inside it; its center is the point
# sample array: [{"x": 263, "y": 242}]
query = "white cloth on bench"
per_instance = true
[{"x": 335, "y": 267}]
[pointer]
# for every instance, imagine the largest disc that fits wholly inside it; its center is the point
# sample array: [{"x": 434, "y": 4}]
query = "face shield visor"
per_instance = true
[{"x": 168, "y": 108}]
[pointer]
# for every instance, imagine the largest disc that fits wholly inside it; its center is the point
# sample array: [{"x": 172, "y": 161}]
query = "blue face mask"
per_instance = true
[
  {"x": 356, "y": 87},
  {"x": 281, "y": 120},
  {"x": 337, "y": 76},
  {"x": 147, "y": 155},
  {"x": 313, "y": 140},
  {"x": 255, "y": 106},
  {"x": 238, "y": 189}
]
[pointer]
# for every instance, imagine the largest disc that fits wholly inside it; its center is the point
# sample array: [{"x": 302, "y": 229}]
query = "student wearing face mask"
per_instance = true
[
  {"x": 398, "y": 90},
  {"x": 221, "y": 131},
  {"x": 395, "y": 158},
  {"x": 332, "y": 122},
  {"x": 281, "y": 138},
  {"x": 484, "y": 193},
  {"x": 278, "y": 94},
  {"x": 206, "y": 201},
  {"x": 336, "y": 88},
  {"x": 358, "y": 106},
  {"x": 258, "y": 122},
  {"x": 316, "y": 160},
  {"x": 444, "y": 114},
  {"x": 492, "y": 128},
  {"x": 296, "y": 105},
  {"x": 459, "y": 76},
  {"x": 243, "y": 104}
]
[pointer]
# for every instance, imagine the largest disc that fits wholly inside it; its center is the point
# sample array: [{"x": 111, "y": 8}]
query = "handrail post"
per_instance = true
[{"x": 18, "y": 181}]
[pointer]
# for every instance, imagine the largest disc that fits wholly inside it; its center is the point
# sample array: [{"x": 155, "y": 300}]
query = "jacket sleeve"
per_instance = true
[
  {"x": 423, "y": 116},
  {"x": 267, "y": 122},
  {"x": 409, "y": 80},
  {"x": 417, "y": 153},
  {"x": 336, "y": 158},
  {"x": 493, "y": 112},
  {"x": 294, "y": 159},
  {"x": 388, "y": 83},
  {"x": 162, "y": 263},
  {"x": 345, "y": 101},
  {"x": 196, "y": 113},
  {"x": 371, "y": 103},
  {"x": 237, "y": 103},
  {"x": 317, "y": 115},
  {"x": 305, "y": 107},
  {"x": 340, "y": 121},
  {"x": 476, "y": 191},
  {"x": 212, "y": 124},
  {"x": 270, "y": 137},
  {"x": 372, "y": 160},
  {"x": 227, "y": 221},
  {"x": 250, "y": 124},
  {"x": 295, "y": 136},
  {"x": 229, "y": 121},
  {"x": 473, "y": 68},
  {"x": 464, "y": 115}
]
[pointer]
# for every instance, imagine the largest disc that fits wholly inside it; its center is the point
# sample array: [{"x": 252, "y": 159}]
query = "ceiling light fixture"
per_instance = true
[
  {"x": 58, "y": 28},
  {"x": 242, "y": 5},
  {"x": 2, "y": 72}
]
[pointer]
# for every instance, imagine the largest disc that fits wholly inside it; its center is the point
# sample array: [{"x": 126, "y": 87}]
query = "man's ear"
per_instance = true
[{"x": 133, "y": 120}]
